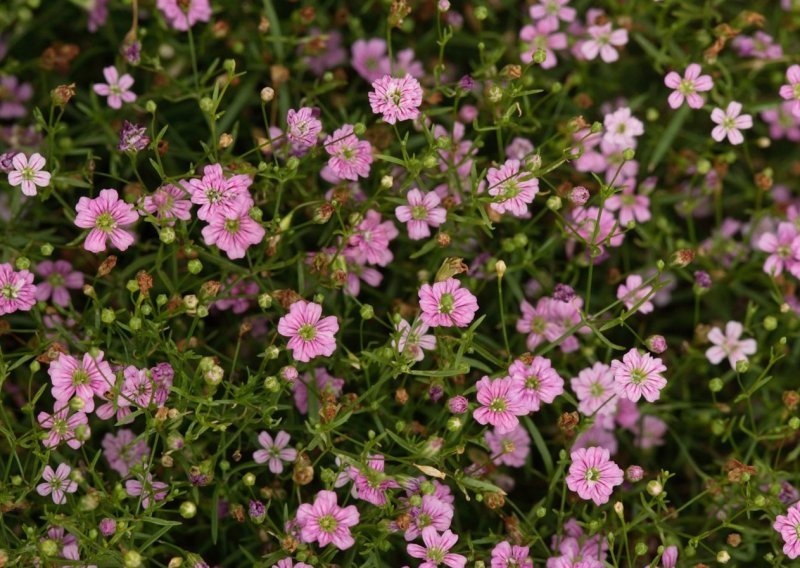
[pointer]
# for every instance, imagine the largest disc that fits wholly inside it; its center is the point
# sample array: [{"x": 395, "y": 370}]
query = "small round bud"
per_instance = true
[
  {"x": 188, "y": 510},
  {"x": 264, "y": 301},
  {"x": 214, "y": 376},
  {"x": 195, "y": 266},
  {"x": 108, "y": 526},
  {"x": 541, "y": 512},
  {"x": 715, "y": 384},
  {"x": 742, "y": 366},
  {"x": 579, "y": 195},
  {"x": 500, "y": 268},
  {"x": 267, "y": 94},
  {"x": 387, "y": 182},
  {"x": 293, "y": 163},
  {"x": 190, "y": 301},
  {"x": 46, "y": 249},
  {"x": 629, "y": 154},
  {"x": 656, "y": 343},
  {"x": 249, "y": 479},
  {"x": 34, "y": 366},
  {"x": 132, "y": 286},
  {"x": 770, "y": 323},
  {"x": 367, "y": 312},
  {"x": 655, "y": 488},
  {"x": 634, "y": 473},
  {"x": 794, "y": 423},
  {"x": 554, "y": 203},
  {"x": 723, "y": 557},
  {"x": 481, "y": 13},
  {"x": 23, "y": 263},
  {"x": 132, "y": 559},
  {"x": 167, "y": 235},
  {"x": 206, "y": 105},
  {"x": 230, "y": 66},
  {"x": 107, "y": 316},
  {"x": 271, "y": 384},
  {"x": 151, "y": 107},
  {"x": 619, "y": 509},
  {"x": 135, "y": 323},
  {"x": 640, "y": 549},
  {"x": 272, "y": 352},
  {"x": 454, "y": 424}
]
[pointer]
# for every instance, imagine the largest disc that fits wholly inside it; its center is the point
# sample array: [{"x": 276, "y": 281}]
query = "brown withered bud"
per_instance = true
[
  {"x": 701, "y": 333},
  {"x": 162, "y": 414},
  {"x": 763, "y": 180},
  {"x": 323, "y": 213},
  {"x": 167, "y": 461},
  {"x": 307, "y": 14},
  {"x": 237, "y": 512},
  {"x": 401, "y": 395},
  {"x": 163, "y": 147},
  {"x": 341, "y": 195},
  {"x": 403, "y": 521},
  {"x": 451, "y": 266},
  {"x": 237, "y": 456},
  {"x": 62, "y": 94},
  {"x": 272, "y": 245},
  {"x": 210, "y": 289},
  {"x": 494, "y": 500},
  {"x": 526, "y": 358},
  {"x": 752, "y": 18},
  {"x": 567, "y": 423},
  {"x": 220, "y": 29},
  {"x": 279, "y": 75},
  {"x": 289, "y": 544},
  {"x": 734, "y": 539},
  {"x": 52, "y": 353},
  {"x": 263, "y": 25},
  {"x": 738, "y": 471},
  {"x": 682, "y": 257},
  {"x": 512, "y": 71},
  {"x": 303, "y": 472},
  {"x": 341, "y": 16},
  {"x": 417, "y": 427},
  {"x": 225, "y": 140},
  {"x": 145, "y": 282},
  {"x": 174, "y": 304},
  {"x": 790, "y": 399},
  {"x": 339, "y": 277},
  {"x": 107, "y": 266},
  {"x": 512, "y": 528},
  {"x": 320, "y": 263},
  {"x": 398, "y": 12},
  {"x": 59, "y": 56},
  {"x": 286, "y": 297},
  {"x": 443, "y": 239},
  {"x": 245, "y": 328},
  {"x": 328, "y": 412}
]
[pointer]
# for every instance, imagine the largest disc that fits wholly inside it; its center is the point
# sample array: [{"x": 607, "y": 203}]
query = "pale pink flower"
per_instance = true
[
  {"x": 513, "y": 191},
  {"x": 437, "y": 549},
  {"x": 594, "y": 387},
  {"x": 413, "y": 340},
  {"x": 505, "y": 555},
  {"x": 784, "y": 248},
  {"x": 396, "y": 99},
  {"x": 788, "y": 526},
  {"x": 117, "y": 88},
  {"x": 729, "y": 345},
  {"x": 28, "y": 173},
  {"x": 148, "y": 490},
  {"x": 59, "y": 277},
  {"x": 303, "y": 127},
  {"x": 17, "y": 291},
  {"x": 435, "y": 511},
  {"x": 421, "y": 213},
  {"x": 183, "y": 14},
  {"x": 233, "y": 231},
  {"x": 369, "y": 244},
  {"x": 730, "y": 123},
  {"x": 371, "y": 484},
  {"x": 510, "y": 448},
  {"x": 639, "y": 375},
  {"x": 501, "y": 402},
  {"x": 318, "y": 383},
  {"x": 350, "y": 157},
  {"x": 551, "y": 11},
  {"x": 632, "y": 292},
  {"x": 650, "y": 433},
  {"x": 63, "y": 427},
  {"x": 84, "y": 378},
  {"x": 274, "y": 452},
  {"x": 540, "y": 381},
  {"x": 669, "y": 558},
  {"x": 310, "y": 335},
  {"x": 217, "y": 194},
  {"x": 543, "y": 35},
  {"x": 593, "y": 475},
  {"x": 369, "y": 58},
  {"x": 603, "y": 41},
  {"x": 169, "y": 203},
  {"x": 622, "y": 128},
  {"x": 687, "y": 87},
  {"x": 631, "y": 206},
  {"x": 124, "y": 450},
  {"x": 325, "y": 522},
  {"x": 108, "y": 217},
  {"x": 57, "y": 483},
  {"x": 447, "y": 304},
  {"x": 791, "y": 91}
]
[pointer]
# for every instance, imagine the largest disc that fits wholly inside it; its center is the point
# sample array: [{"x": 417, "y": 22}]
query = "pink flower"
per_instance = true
[
  {"x": 421, "y": 213},
  {"x": 303, "y": 127},
  {"x": 63, "y": 427},
  {"x": 289, "y": 563},
  {"x": 350, "y": 157},
  {"x": 169, "y": 203},
  {"x": 58, "y": 483},
  {"x": 85, "y": 379},
  {"x": 322, "y": 383},
  {"x": 435, "y": 511},
  {"x": 150, "y": 491},
  {"x": 217, "y": 194},
  {"x": 631, "y": 207},
  {"x": 639, "y": 375},
  {"x": 788, "y": 526},
  {"x": 791, "y": 91},
  {"x": 124, "y": 450},
  {"x": 58, "y": 276},
  {"x": 594, "y": 387},
  {"x": 542, "y": 35},
  {"x": 369, "y": 244},
  {"x": 370, "y": 59},
  {"x": 784, "y": 249},
  {"x": 514, "y": 192},
  {"x": 622, "y": 128},
  {"x": 437, "y": 549},
  {"x": 233, "y": 231},
  {"x": 603, "y": 41},
  {"x": 413, "y": 340},
  {"x": 501, "y": 402},
  {"x": 551, "y": 11},
  {"x": 540, "y": 382},
  {"x": 504, "y": 555},
  {"x": 592, "y": 474},
  {"x": 325, "y": 522},
  {"x": 447, "y": 304},
  {"x": 669, "y": 558},
  {"x": 632, "y": 292},
  {"x": 17, "y": 291},
  {"x": 686, "y": 88},
  {"x": 28, "y": 173},
  {"x": 371, "y": 484},
  {"x": 108, "y": 217},
  {"x": 730, "y": 122},
  {"x": 650, "y": 433},
  {"x": 117, "y": 89},
  {"x": 309, "y": 336},
  {"x": 183, "y": 14},
  {"x": 396, "y": 99},
  {"x": 729, "y": 345},
  {"x": 275, "y": 453},
  {"x": 511, "y": 448}
]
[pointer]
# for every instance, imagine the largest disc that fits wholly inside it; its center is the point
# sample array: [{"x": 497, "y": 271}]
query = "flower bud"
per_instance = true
[
  {"x": 108, "y": 526},
  {"x": 132, "y": 559},
  {"x": 367, "y": 312},
  {"x": 188, "y": 510},
  {"x": 267, "y": 94},
  {"x": 656, "y": 343},
  {"x": 107, "y": 316},
  {"x": 500, "y": 268},
  {"x": 655, "y": 488}
]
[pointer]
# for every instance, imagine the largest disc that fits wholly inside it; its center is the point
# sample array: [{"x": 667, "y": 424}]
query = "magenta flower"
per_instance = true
[
  {"x": 784, "y": 249},
  {"x": 124, "y": 450},
  {"x": 108, "y": 217},
  {"x": 85, "y": 378},
  {"x": 350, "y": 157},
  {"x": 28, "y": 173},
  {"x": 63, "y": 427},
  {"x": 326, "y": 522},
  {"x": 551, "y": 11},
  {"x": 669, "y": 558},
  {"x": 514, "y": 192},
  {"x": 371, "y": 484},
  {"x": 447, "y": 304},
  {"x": 631, "y": 206},
  {"x": 603, "y": 41},
  {"x": 501, "y": 400},
  {"x": 183, "y": 14},
  {"x": 540, "y": 382},
  {"x": 788, "y": 526},
  {"x": 15, "y": 94},
  {"x": 169, "y": 203},
  {"x": 632, "y": 292},
  {"x": 217, "y": 194},
  {"x": 413, "y": 340},
  {"x": 639, "y": 375},
  {"x": 59, "y": 277},
  {"x": 274, "y": 452},
  {"x": 309, "y": 336},
  {"x": 369, "y": 59},
  {"x": 396, "y": 99},
  {"x": 57, "y": 483},
  {"x": 729, "y": 345},
  {"x": 592, "y": 474},
  {"x": 421, "y": 213},
  {"x": 511, "y": 448},
  {"x": 504, "y": 555},
  {"x": 150, "y": 491},
  {"x": 369, "y": 244},
  {"x": 594, "y": 387},
  {"x": 435, "y": 511},
  {"x": 730, "y": 123},
  {"x": 117, "y": 88},
  {"x": 543, "y": 35},
  {"x": 17, "y": 291},
  {"x": 791, "y": 91},
  {"x": 437, "y": 549},
  {"x": 303, "y": 127},
  {"x": 233, "y": 231},
  {"x": 138, "y": 388},
  {"x": 686, "y": 88}
]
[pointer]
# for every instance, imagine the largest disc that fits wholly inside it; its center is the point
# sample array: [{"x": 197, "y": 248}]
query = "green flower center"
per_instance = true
[
  {"x": 80, "y": 377},
  {"x": 638, "y": 376},
  {"x": 597, "y": 390},
  {"x": 28, "y": 173},
  {"x": 532, "y": 382},
  {"x": 511, "y": 189},
  {"x": 328, "y": 524},
  {"x": 56, "y": 279},
  {"x": 395, "y": 96},
  {"x": 307, "y": 332},
  {"x": 232, "y": 225},
  {"x": 592, "y": 474},
  {"x": 8, "y": 291},
  {"x": 423, "y": 520},
  {"x": 686, "y": 87},
  {"x": 498, "y": 405},
  {"x": 446, "y": 303},
  {"x": 105, "y": 222},
  {"x": 797, "y": 91},
  {"x": 436, "y": 555},
  {"x": 508, "y": 447},
  {"x": 419, "y": 212}
]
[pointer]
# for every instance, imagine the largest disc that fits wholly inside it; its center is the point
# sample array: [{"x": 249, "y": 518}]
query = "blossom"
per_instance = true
[
  {"x": 639, "y": 375},
  {"x": 275, "y": 451},
  {"x": 730, "y": 122},
  {"x": 63, "y": 427},
  {"x": 168, "y": 203},
  {"x": 369, "y": 59},
  {"x": 542, "y": 35},
  {"x": 303, "y": 127},
  {"x": 631, "y": 206},
  {"x": 540, "y": 382},
  {"x": 57, "y": 483},
  {"x": 729, "y": 345},
  {"x": 791, "y": 91},
  {"x": 117, "y": 88},
  {"x": 437, "y": 549},
  {"x": 59, "y": 277},
  {"x": 369, "y": 243},
  {"x": 233, "y": 231},
  {"x": 322, "y": 383},
  {"x": 370, "y": 483},
  {"x": 593, "y": 475},
  {"x": 513, "y": 191},
  {"x": 622, "y": 128},
  {"x": 150, "y": 491},
  {"x": 784, "y": 248},
  {"x": 788, "y": 526},
  {"x": 309, "y": 336},
  {"x": 132, "y": 137},
  {"x": 434, "y": 511},
  {"x": 108, "y": 217},
  {"x": 510, "y": 448},
  {"x": 633, "y": 292},
  {"x": 183, "y": 14},
  {"x": 85, "y": 378},
  {"x": 217, "y": 194},
  {"x": 326, "y": 522},
  {"x": 396, "y": 99},
  {"x": 17, "y": 291},
  {"x": 686, "y": 88},
  {"x": 551, "y": 11},
  {"x": 669, "y": 558},
  {"x": 28, "y": 173},
  {"x": 413, "y": 340},
  {"x": 350, "y": 157},
  {"x": 421, "y": 213},
  {"x": 602, "y": 41},
  {"x": 650, "y": 433},
  {"x": 594, "y": 387},
  {"x": 289, "y": 563},
  {"x": 501, "y": 402},
  {"x": 14, "y": 94},
  {"x": 447, "y": 304},
  {"x": 506, "y": 555},
  {"x": 124, "y": 450}
]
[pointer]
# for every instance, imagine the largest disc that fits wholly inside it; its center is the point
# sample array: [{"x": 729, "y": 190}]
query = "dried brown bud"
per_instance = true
[
  {"x": 737, "y": 471},
  {"x": 303, "y": 473},
  {"x": 398, "y": 12},
  {"x": 263, "y": 25},
  {"x": 734, "y": 539},
  {"x": 162, "y": 413},
  {"x": 107, "y": 266},
  {"x": 237, "y": 512},
  {"x": 225, "y": 140},
  {"x": 451, "y": 266},
  {"x": 494, "y": 500},
  {"x": 307, "y": 14},
  {"x": 568, "y": 422},
  {"x": 443, "y": 239},
  {"x": 286, "y": 297},
  {"x": 401, "y": 395},
  {"x": 62, "y": 94},
  {"x": 145, "y": 282},
  {"x": 210, "y": 289},
  {"x": 682, "y": 258},
  {"x": 279, "y": 75},
  {"x": 790, "y": 399},
  {"x": 289, "y": 544},
  {"x": 245, "y": 328}
]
